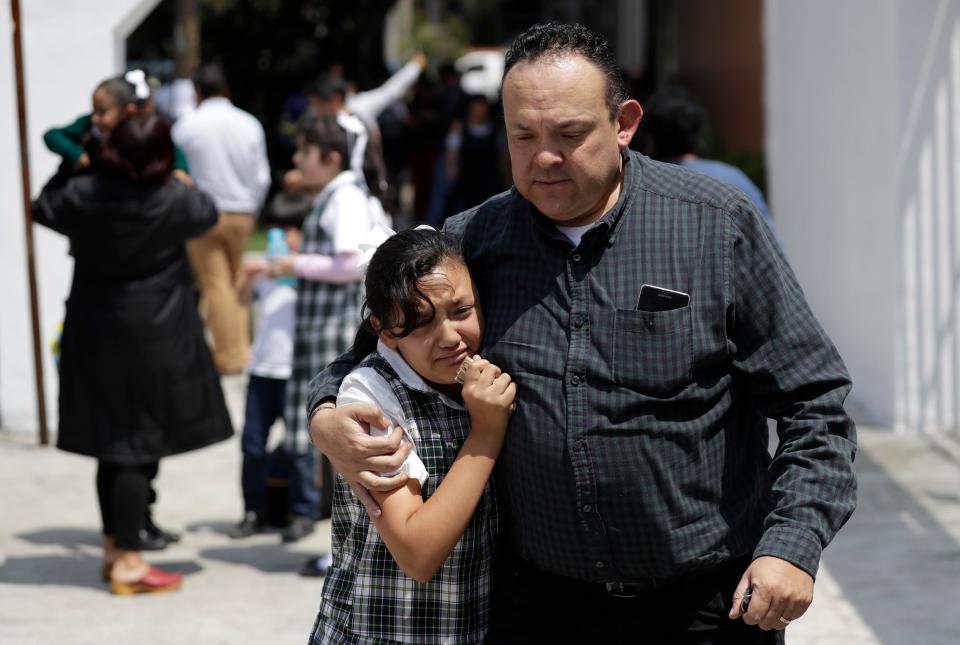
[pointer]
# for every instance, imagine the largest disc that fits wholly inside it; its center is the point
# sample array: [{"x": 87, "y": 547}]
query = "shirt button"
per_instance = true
[
  {"x": 599, "y": 564},
  {"x": 587, "y": 508},
  {"x": 574, "y": 380},
  {"x": 578, "y": 321},
  {"x": 576, "y": 257}
]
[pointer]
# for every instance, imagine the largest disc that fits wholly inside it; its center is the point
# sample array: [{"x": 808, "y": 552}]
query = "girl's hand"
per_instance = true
[
  {"x": 182, "y": 177},
  {"x": 83, "y": 161},
  {"x": 281, "y": 266},
  {"x": 488, "y": 395}
]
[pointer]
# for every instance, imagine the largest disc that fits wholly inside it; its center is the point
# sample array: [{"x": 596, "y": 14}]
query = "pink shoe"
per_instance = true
[{"x": 153, "y": 581}]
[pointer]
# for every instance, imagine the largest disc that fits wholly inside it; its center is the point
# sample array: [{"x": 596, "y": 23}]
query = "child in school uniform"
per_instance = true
[
  {"x": 328, "y": 294},
  {"x": 420, "y": 571},
  {"x": 270, "y": 367}
]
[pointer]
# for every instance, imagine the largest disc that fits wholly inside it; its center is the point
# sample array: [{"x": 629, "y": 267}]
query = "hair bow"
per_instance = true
[
  {"x": 379, "y": 234},
  {"x": 138, "y": 78}
]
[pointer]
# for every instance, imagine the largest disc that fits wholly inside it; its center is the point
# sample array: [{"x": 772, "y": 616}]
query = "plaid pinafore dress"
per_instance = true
[
  {"x": 326, "y": 321},
  {"x": 367, "y": 599}
]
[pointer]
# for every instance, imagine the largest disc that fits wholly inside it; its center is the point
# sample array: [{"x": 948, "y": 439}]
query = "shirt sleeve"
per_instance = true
[
  {"x": 364, "y": 385},
  {"x": 180, "y": 160},
  {"x": 68, "y": 140},
  {"x": 345, "y": 219},
  {"x": 325, "y": 385},
  {"x": 339, "y": 269},
  {"x": 787, "y": 366},
  {"x": 371, "y": 103}
]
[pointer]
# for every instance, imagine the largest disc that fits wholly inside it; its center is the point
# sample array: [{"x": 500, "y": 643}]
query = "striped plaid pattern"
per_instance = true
[
  {"x": 639, "y": 445},
  {"x": 326, "y": 321},
  {"x": 365, "y": 592}
]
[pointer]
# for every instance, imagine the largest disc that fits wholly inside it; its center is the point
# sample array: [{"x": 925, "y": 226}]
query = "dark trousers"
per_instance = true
[
  {"x": 265, "y": 404},
  {"x": 123, "y": 490},
  {"x": 530, "y": 607},
  {"x": 265, "y": 400}
]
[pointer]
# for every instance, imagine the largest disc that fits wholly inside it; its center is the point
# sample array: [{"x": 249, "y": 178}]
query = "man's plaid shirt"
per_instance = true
[
  {"x": 639, "y": 445},
  {"x": 366, "y": 594}
]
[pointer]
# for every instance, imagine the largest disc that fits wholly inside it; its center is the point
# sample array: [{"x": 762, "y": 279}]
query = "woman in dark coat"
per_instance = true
[{"x": 137, "y": 381}]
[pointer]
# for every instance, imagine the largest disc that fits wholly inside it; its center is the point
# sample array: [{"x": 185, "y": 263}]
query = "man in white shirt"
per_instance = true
[{"x": 227, "y": 153}]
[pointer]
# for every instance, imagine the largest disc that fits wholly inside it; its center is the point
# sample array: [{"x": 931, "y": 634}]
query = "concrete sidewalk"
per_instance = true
[{"x": 892, "y": 575}]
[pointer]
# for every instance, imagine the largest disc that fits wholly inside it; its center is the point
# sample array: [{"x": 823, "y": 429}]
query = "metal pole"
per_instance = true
[{"x": 28, "y": 223}]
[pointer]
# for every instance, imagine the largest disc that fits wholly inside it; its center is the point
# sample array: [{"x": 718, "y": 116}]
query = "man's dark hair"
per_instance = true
[
  {"x": 392, "y": 283},
  {"x": 326, "y": 86},
  {"x": 558, "y": 39},
  {"x": 140, "y": 149},
  {"x": 673, "y": 125},
  {"x": 324, "y": 132},
  {"x": 211, "y": 81}
]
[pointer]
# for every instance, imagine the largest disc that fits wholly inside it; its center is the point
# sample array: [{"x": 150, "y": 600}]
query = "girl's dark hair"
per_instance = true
[
  {"x": 324, "y": 132},
  {"x": 140, "y": 149},
  {"x": 120, "y": 90},
  {"x": 392, "y": 286}
]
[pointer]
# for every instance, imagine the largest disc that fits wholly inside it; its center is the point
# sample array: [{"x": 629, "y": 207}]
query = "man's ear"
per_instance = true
[{"x": 628, "y": 121}]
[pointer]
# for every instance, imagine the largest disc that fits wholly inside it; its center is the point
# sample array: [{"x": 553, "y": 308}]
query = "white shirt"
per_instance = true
[
  {"x": 227, "y": 153},
  {"x": 348, "y": 216},
  {"x": 272, "y": 353},
  {"x": 365, "y": 385}
]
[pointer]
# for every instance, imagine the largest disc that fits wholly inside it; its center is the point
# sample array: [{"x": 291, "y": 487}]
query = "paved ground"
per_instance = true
[{"x": 892, "y": 576}]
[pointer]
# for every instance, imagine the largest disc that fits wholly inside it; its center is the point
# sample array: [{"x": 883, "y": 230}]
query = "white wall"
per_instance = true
[
  {"x": 863, "y": 144},
  {"x": 68, "y": 47},
  {"x": 927, "y": 167}
]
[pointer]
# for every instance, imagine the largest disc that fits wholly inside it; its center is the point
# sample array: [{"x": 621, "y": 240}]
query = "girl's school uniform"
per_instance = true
[{"x": 367, "y": 598}]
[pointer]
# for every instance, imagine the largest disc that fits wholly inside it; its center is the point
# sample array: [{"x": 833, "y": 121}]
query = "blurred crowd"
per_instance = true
[{"x": 160, "y": 191}]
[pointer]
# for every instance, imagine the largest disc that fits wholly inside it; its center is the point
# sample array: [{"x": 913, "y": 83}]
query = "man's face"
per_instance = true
[{"x": 564, "y": 148}]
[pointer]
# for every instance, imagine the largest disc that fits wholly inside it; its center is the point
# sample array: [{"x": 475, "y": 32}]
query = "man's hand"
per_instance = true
[
  {"x": 780, "y": 590},
  {"x": 342, "y": 435}
]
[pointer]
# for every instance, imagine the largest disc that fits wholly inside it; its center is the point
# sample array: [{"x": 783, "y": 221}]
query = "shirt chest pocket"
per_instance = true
[{"x": 653, "y": 350}]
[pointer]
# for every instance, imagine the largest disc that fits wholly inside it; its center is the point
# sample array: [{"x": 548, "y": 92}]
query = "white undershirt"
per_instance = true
[
  {"x": 574, "y": 233},
  {"x": 365, "y": 385}
]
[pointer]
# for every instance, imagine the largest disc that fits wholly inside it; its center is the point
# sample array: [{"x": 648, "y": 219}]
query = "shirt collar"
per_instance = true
[
  {"x": 409, "y": 376},
  {"x": 215, "y": 100},
  {"x": 344, "y": 178}
]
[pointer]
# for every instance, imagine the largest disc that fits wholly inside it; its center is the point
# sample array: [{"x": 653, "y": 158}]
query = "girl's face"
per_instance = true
[
  {"x": 436, "y": 350},
  {"x": 317, "y": 172},
  {"x": 107, "y": 113}
]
